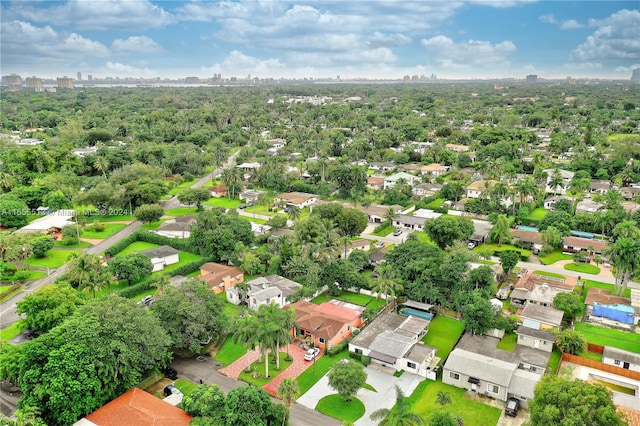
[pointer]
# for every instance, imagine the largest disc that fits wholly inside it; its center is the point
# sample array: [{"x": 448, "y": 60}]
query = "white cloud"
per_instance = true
[
  {"x": 133, "y": 44},
  {"x": 582, "y": 66},
  {"x": 379, "y": 39},
  {"x": 117, "y": 69},
  {"x": 470, "y": 54},
  {"x": 501, "y": 3},
  {"x": 24, "y": 43},
  {"x": 549, "y": 19},
  {"x": 96, "y": 15},
  {"x": 626, "y": 70},
  {"x": 616, "y": 37},
  {"x": 570, "y": 24}
]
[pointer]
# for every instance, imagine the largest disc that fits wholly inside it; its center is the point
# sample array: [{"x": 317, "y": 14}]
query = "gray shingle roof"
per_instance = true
[
  {"x": 621, "y": 354},
  {"x": 162, "y": 251},
  {"x": 480, "y": 366},
  {"x": 545, "y": 314},
  {"x": 523, "y": 383},
  {"x": 538, "y": 334}
]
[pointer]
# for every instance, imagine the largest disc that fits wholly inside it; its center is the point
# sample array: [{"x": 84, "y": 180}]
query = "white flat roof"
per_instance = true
[{"x": 58, "y": 219}]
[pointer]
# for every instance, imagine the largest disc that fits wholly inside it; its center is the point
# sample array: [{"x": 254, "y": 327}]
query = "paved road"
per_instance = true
[
  {"x": 8, "y": 314},
  {"x": 195, "y": 371}
]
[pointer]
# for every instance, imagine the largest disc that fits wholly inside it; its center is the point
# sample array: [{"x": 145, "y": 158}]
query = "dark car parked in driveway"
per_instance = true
[{"x": 512, "y": 407}]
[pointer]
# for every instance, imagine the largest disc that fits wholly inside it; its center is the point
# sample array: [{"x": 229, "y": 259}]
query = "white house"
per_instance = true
[
  {"x": 162, "y": 256},
  {"x": 621, "y": 358},
  {"x": 263, "y": 291},
  {"x": 391, "y": 181},
  {"x": 393, "y": 340},
  {"x": 560, "y": 188}
]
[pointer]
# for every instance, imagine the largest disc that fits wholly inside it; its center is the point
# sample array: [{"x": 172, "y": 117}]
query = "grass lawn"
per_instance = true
[
  {"x": 435, "y": 203},
  {"x": 589, "y": 283},
  {"x": 553, "y": 257},
  {"x": 223, "y": 202},
  {"x": 114, "y": 218},
  {"x": 386, "y": 231},
  {"x": 178, "y": 189},
  {"x": 422, "y": 237},
  {"x": 443, "y": 335},
  {"x": 7, "y": 334},
  {"x": 260, "y": 209},
  {"x": 255, "y": 220},
  {"x": 593, "y": 356},
  {"x": 185, "y": 257},
  {"x": 53, "y": 259},
  {"x": 138, "y": 246},
  {"x": 508, "y": 342},
  {"x": 5, "y": 287},
  {"x": 81, "y": 244},
  {"x": 152, "y": 226},
  {"x": 494, "y": 247},
  {"x": 583, "y": 268},
  {"x": 258, "y": 367},
  {"x": 336, "y": 407},
  {"x": 423, "y": 402},
  {"x": 554, "y": 361},
  {"x": 548, "y": 274},
  {"x": 185, "y": 386},
  {"x": 230, "y": 351},
  {"x": 108, "y": 231},
  {"x": 182, "y": 211},
  {"x": 355, "y": 298},
  {"x": 538, "y": 213},
  {"x": 321, "y": 367},
  {"x": 33, "y": 275},
  {"x": 609, "y": 337}
]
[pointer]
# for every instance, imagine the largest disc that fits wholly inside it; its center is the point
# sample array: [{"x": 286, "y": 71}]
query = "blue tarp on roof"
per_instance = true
[
  {"x": 620, "y": 313},
  {"x": 581, "y": 234}
]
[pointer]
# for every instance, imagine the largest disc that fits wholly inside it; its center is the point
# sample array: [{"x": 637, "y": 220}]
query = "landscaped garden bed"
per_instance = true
[{"x": 256, "y": 376}]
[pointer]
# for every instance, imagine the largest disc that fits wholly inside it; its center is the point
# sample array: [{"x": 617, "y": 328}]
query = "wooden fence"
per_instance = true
[{"x": 635, "y": 375}]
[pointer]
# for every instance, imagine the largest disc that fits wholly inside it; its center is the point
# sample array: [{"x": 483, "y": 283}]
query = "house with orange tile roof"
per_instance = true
[
  {"x": 220, "y": 277},
  {"x": 136, "y": 407},
  {"x": 298, "y": 199},
  {"x": 327, "y": 324}
]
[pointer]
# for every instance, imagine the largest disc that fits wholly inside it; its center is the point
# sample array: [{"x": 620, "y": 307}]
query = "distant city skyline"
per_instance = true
[{"x": 320, "y": 39}]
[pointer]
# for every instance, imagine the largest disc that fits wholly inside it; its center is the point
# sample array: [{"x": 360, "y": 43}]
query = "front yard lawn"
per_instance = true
[
  {"x": 260, "y": 209},
  {"x": 181, "y": 211},
  {"x": 589, "y": 283},
  {"x": 508, "y": 342},
  {"x": 109, "y": 230},
  {"x": 258, "y": 367},
  {"x": 524, "y": 254},
  {"x": 335, "y": 406},
  {"x": 53, "y": 259},
  {"x": 185, "y": 257},
  {"x": 423, "y": 402},
  {"x": 553, "y": 257},
  {"x": 355, "y": 298},
  {"x": 229, "y": 351},
  {"x": 422, "y": 237},
  {"x": 584, "y": 268},
  {"x": 137, "y": 247},
  {"x": 609, "y": 337},
  {"x": 178, "y": 189},
  {"x": 321, "y": 367},
  {"x": 7, "y": 334},
  {"x": 384, "y": 232},
  {"x": 185, "y": 386},
  {"x": 152, "y": 226},
  {"x": 223, "y": 202},
  {"x": 539, "y": 213},
  {"x": 443, "y": 335},
  {"x": 435, "y": 203},
  {"x": 81, "y": 244}
]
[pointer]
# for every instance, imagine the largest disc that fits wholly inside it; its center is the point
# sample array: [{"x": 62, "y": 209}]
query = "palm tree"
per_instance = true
[
  {"x": 389, "y": 215},
  {"x": 626, "y": 229},
  {"x": 246, "y": 333},
  {"x": 161, "y": 282},
  {"x": 6, "y": 181},
  {"x": 294, "y": 213},
  {"x": 231, "y": 177},
  {"x": 624, "y": 254},
  {"x": 102, "y": 165},
  {"x": 500, "y": 230},
  {"x": 525, "y": 188},
  {"x": 556, "y": 181},
  {"x": 288, "y": 391},
  {"x": 398, "y": 417},
  {"x": 606, "y": 220},
  {"x": 443, "y": 398},
  {"x": 385, "y": 283}
]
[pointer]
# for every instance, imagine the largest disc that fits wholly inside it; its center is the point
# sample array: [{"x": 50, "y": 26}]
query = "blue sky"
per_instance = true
[{"x": 352, "y": 38}]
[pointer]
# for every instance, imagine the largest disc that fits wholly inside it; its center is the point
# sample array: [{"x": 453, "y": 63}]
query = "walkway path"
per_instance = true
[
  {"x": 297, "y": 367},
  {"x": 235, "y": 368}
]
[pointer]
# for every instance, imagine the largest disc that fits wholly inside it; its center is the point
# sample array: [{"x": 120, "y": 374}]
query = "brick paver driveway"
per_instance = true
[
  {"x": 234, "y": 369},
  {"x": 294, "y": 370}
]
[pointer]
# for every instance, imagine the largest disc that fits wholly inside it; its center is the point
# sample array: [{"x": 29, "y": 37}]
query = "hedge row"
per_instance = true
[
  {"x": 339, "y": 347},
  {"x": 152, "y": 238},
  {"x": 362, "y": 359},
  {"x": 10, "y": 290},
  {"x": 145, "y": 284}
]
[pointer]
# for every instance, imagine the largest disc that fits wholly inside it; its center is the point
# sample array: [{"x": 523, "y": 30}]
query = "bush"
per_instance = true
[
  {"x": 21, "y": 276},
  {"x": 150, "y": 237},
  {"x": 382, "y": 226},
  {"x": 339, "y": 347},
  {"x": 187, "y": 177},
  {"x": 365, "y": 360},
  {"x": 121, "y": 245}
]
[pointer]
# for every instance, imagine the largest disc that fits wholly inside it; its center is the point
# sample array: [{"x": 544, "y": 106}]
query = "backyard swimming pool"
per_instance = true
[
  {"x": 527, "y": 228},
  {"x": 416, "y": 313}
]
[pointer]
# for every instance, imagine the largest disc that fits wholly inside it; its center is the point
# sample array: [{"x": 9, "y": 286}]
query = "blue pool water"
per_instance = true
[
  {"x": 581, "y": 234},
  {"x": 420, "y": 314},
  {"x": 527, "y": 228}
]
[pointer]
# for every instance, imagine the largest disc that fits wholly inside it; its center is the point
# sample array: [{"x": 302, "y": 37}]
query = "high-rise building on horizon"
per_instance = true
[
  {"x": 79, "y": 75},
  {"x": 635, "y": 75},
  {"x": 34, "y": 83},
  {"x": 90, "y": 77},
  {"x": 64, "y": 82},
  {"x": 532, "y": 78},
  {"x": 12, "y": 82}
]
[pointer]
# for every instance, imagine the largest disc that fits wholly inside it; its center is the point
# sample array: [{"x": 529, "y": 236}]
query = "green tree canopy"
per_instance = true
[
  {"x": 346, "y": 378},
  {"x": 444, "y": 230},
  {"x": 206, "y": 401},
  {"x": 566, "y": 403},
  {"x": 131, "y": 267},
  {"x": 508, "y": 260},
  {"x": 148, "y": 213},
  {"x": 48, "y": 307},
  {"x": 571, "y": 342},
  {"x": 570, "y": 303}
]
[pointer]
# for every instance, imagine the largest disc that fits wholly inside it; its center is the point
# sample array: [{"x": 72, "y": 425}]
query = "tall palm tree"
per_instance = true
[
  {"x": 500, "y": 231},
  {"x": 161, "y": 283},
  {"x": 625, "y": 255},
  {"x": 288, "y": 391},
  {"x": 6, "y": 181},
  {"x": 246, "y": 334},
  {"x": 389, "y": 215},
  {"x": 294, "y": 213},
  {"x": 385, "y": 283},
  {"x": 102, "y": 165},
  {"x": 398, "y": 417},
  {"x": 231, "y": 177}
]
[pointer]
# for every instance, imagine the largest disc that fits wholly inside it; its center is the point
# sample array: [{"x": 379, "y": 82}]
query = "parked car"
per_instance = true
[
  {"x": 471, "y": 246},
  {"x": 147, "y": 300},
  {"x": 170, "y": 389},
  {"x": 512, "y": 407},
  {"x": 311, "y": 354},
  {"x": 242, "y": 206},
  {"x": 397, "y": 232},
  {"x": 379, "y": 245}
]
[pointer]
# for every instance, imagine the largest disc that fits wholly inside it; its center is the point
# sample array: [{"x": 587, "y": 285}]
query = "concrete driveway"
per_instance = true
[{"x": 380, "y": 378}]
